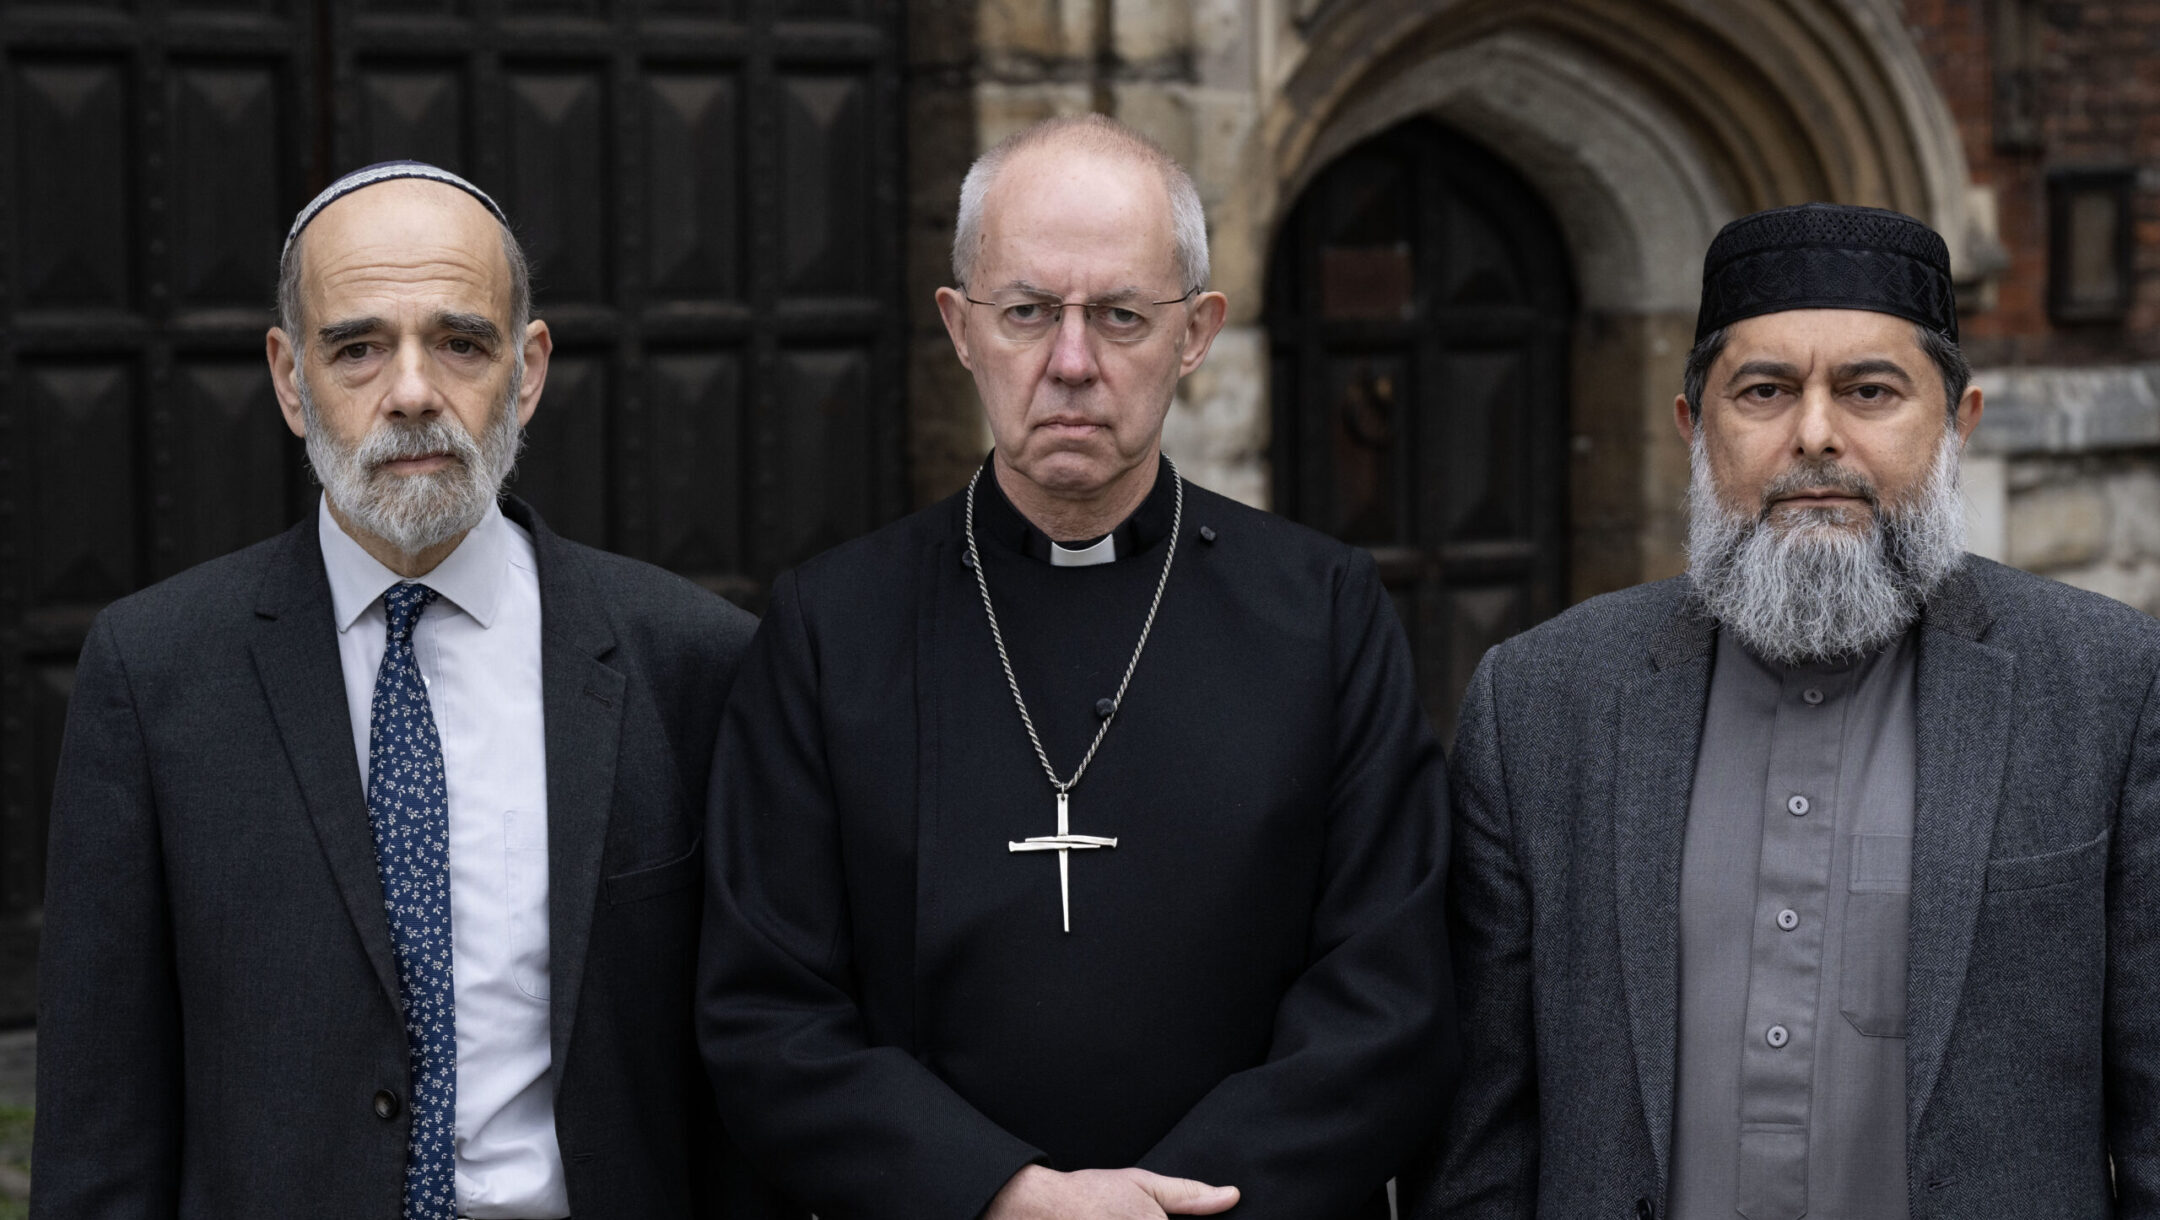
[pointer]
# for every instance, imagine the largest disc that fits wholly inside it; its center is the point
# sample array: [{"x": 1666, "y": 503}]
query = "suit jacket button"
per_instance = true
[
  {"x": 386, "y": 1104},
  {"x": 1643, "y": 1210}
]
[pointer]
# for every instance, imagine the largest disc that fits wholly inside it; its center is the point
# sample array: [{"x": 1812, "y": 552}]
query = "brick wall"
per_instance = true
[{"x": 2093, "y": 68}]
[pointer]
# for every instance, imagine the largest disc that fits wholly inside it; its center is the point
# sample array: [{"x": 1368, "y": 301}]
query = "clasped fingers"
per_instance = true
[{"x": 1036, "y": 1193}]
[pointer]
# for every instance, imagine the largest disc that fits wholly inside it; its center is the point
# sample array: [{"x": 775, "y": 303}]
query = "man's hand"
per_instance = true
[{"x": 1036, "y": 1193}]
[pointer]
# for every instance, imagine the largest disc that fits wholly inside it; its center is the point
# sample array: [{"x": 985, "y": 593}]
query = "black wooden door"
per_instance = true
[
  {"x": 710, "y": 193},
  {"x": 1418, "y": 308}
]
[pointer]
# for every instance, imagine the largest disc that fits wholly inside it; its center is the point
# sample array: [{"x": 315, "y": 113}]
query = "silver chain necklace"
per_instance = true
[
  {"x": 1117, "y": 701},
  {"x": 1064, "y": 842}
]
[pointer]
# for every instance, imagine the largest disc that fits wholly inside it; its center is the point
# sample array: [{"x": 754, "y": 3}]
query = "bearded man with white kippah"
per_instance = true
[
  {"x": 1816, "y": 882},
  {"x": 374, "y": 879}
]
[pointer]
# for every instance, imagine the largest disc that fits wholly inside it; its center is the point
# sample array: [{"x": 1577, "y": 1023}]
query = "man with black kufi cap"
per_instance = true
[
  {"x": 1813, "y": 883},
  {"x": 374, "y": 880}
]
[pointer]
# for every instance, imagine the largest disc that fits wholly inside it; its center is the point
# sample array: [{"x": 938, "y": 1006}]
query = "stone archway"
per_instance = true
[
  {"x": 1644, "y": 125},
  {"x": 1777, "y": 101}
]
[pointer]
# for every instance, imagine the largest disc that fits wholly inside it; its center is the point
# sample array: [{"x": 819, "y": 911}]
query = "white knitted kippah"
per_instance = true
[{"x": 384, "y": 171}]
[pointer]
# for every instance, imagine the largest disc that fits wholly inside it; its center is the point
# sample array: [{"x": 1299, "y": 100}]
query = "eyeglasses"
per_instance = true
[{"x": 1025, "y": 319}]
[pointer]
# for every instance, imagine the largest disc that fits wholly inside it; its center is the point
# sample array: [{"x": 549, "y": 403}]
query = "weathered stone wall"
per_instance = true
[
  {"x": 2091, "y": 520},
  {"x": 2078, "y": 490}
]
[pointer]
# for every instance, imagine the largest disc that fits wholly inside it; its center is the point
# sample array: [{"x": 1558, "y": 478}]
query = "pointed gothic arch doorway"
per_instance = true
[{"x": 1418, "y": 312}]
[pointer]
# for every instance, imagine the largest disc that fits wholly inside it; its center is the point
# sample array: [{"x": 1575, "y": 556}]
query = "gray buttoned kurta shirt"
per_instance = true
[{"x": 1793, "y": 910}]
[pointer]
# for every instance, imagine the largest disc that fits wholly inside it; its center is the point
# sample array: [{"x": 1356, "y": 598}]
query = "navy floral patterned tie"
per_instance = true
[{"x": 410, "y": 810}]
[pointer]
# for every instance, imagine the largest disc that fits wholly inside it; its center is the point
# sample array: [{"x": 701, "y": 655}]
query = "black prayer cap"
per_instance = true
[{"x": 1827, "y": 256}]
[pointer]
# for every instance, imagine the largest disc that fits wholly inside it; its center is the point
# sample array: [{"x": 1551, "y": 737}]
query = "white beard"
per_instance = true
[
  {"x": 1817, "y": 589},
  {"x": 415, "y": 512}
]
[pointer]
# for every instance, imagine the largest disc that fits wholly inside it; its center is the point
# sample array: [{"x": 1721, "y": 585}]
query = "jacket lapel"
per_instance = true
[
  {"x": 1657, "y": 726},
  {"x": 581, "y": 701},
  {"x": 1963, "y": 707},
  {"x": 303, "y": 680}
]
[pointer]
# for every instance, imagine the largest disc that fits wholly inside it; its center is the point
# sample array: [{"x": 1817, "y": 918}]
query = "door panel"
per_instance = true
[
  {"x": 410, "y": 109},
  {"x": 558, "y": 121},
  {"x": 1418, "y": 308},
  {"x": 226, "y": 132},
  {"x": 73, "y": 247},
  {"x": 227, "y": 483},
  {"x": 692, "y": 124},
  {"x": 565, "y": 463},
  {"x": 697, "y": 428}
]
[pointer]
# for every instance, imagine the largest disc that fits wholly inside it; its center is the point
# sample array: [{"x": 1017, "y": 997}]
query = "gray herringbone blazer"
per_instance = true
[{"x": 2033, "y": 985}]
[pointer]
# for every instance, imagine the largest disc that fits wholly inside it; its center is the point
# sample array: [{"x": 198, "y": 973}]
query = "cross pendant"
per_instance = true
[{"x": 1064, "y": 843}]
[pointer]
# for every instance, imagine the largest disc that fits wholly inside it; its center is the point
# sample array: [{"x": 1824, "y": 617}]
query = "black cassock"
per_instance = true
[{"x": 1255, "y": 988}]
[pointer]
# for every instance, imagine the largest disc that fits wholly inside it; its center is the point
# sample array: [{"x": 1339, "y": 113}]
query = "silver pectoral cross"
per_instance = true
[{"x": 1064, "y": 843}]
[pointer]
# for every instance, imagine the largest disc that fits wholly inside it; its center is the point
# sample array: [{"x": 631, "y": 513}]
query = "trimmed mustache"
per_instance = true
[
  {"x": 394, "y": 441},
  {"x": 1818, "y": 474}
]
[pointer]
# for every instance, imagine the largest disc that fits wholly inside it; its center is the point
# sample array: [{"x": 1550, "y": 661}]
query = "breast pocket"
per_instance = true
[
  {"x": 2085, "y": 861},
  {"x": 1878, "y": 901},
  {"x": 680, "y": 873},
  {"x": 525, "y": 884}
]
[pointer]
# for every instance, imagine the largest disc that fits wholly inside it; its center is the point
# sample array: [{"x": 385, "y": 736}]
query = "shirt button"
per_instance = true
[
  {"x": 1788, "y": 919},
  {"x": 386, "y": 1104},
  {"x": 1777, "y": 1037},
  {"x": 1797, "y": 806},
  {"x": 1811, "y": 696}
]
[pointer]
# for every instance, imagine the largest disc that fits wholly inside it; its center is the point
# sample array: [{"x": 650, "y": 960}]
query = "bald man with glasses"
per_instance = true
[{"x": 1076, "y": 844}]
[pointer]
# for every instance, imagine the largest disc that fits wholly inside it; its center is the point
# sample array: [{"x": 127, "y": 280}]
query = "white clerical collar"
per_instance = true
[
  {"x": 1141, "y": 529},
  {"x": 471, "y": 577},
  {"x": 1102, "y": 550}
]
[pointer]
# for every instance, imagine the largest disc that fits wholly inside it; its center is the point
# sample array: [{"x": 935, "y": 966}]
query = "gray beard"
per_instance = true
[
  {"x": 1819, "y": 589},
  {"x": 415, "y": 512}
]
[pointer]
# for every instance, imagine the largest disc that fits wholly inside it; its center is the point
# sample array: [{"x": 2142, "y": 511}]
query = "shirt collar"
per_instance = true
[
  {"x": 471, "y": 577},
  {"x": 1145, "y": 526}
]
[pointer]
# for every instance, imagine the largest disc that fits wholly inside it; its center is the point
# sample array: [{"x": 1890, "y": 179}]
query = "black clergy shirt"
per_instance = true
[{"x": 1255, "y": 988}]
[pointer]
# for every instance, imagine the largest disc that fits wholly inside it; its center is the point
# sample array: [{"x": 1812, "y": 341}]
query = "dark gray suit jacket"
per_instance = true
[
  {"x": 2033, "y": 977},
  {"x": 218, "y": 1005}
]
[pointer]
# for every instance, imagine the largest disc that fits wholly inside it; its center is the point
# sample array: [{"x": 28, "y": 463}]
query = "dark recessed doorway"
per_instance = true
[{"x": 1419, "y": 302}]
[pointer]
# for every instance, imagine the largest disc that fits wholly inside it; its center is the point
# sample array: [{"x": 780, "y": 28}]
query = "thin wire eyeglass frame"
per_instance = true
[{"x": 1089, "y": 311}]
